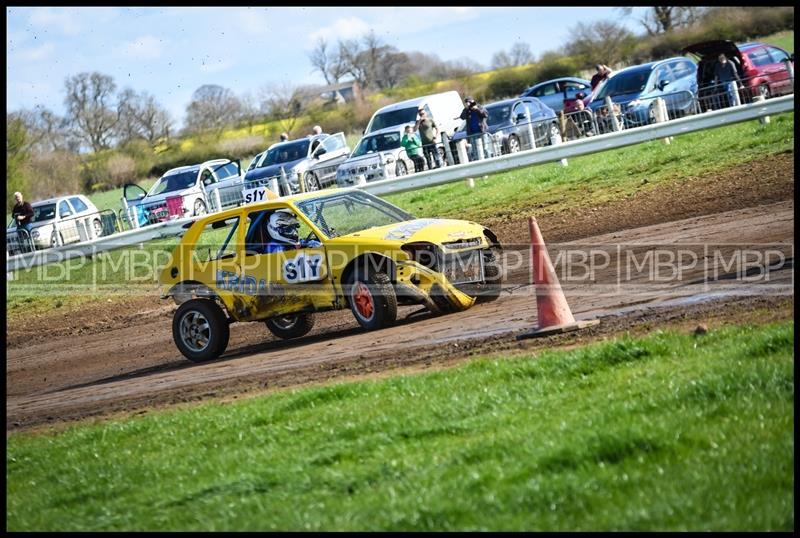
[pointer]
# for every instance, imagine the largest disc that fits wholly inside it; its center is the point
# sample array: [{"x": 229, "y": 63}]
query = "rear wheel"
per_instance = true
[
  {"x": 312, "y": 182},
  {"x": 56, "y": 239},
  {"x": 401, "y": 169},
  {"x": 513, "y": 144},
  {"x": 98, "y": 227},
  {"x": 200, "y": 330},
  {"x": 290, "y": 326},
  {"x": 373, "y": 300},
  {"x": 763, "y": 91}
]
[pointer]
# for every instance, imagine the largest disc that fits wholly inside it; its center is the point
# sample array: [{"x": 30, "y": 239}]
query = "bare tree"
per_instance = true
[
  {"x": 662, "y": 19},
  {"x": 141, "y": 117},
  {"x": 212, "y": 108},
  {"x": 327, "y": 61},
  {"x": 501, "y": 60},
  {"x": 604, "y": 42},
  {"x": 250, "y": 111},
  {"x": 90, "y": 111},
  {"x": 283, "y": 102},
  {"x": 521, "y": 54},
  {"x": 46, "y": 131}
]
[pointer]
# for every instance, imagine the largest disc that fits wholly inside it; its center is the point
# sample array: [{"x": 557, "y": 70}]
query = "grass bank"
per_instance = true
[{"x": 671, "y": 431}]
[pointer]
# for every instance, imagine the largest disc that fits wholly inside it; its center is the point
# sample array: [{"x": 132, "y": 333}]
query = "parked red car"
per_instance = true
[{"x": 761, "y": 68}]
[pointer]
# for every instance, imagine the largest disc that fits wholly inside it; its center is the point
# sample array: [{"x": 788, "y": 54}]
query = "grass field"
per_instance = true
[
  {"x": 667, "y": 432},
  {"x": 587, "y": 181}
]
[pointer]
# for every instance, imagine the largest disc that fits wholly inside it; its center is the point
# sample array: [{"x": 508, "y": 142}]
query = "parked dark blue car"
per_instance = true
[
  {"x": 636, "y": 88},
  {"x": 508, "y": 121}
]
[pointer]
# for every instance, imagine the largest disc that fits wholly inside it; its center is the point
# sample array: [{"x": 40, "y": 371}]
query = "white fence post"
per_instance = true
[
  {"x": 661, "y": 114},
  {"x": 285, "y": 183},
  {"x": 760, "y": 99},
  {"x": 789, "y": 70},
  {"x": 274, "y": 186},
  {"x": 610, "y": 107},
  {"x": 448, "y": 153},
  {"x": 461, "y": 146},
  {"x": 737, "y": 100},
  {"x": 218, "y": 199},
  {"x": 529, "y": 126},
  {"x": 479, "y": 146},
  {"x": 555, "y": 139}
]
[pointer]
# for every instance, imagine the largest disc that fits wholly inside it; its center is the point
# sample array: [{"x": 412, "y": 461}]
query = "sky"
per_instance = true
[{"x": 170, "y": 52}]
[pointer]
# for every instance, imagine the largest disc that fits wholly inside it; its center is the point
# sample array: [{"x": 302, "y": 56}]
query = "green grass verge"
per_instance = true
[
  {"x": 784, "y": 40},
  {"x": 667, "y": 432},
  {"x": 603, "y": 177}
]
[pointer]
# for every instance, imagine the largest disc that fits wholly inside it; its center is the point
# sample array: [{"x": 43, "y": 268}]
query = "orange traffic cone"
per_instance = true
[{"x": 553, "y": 313}]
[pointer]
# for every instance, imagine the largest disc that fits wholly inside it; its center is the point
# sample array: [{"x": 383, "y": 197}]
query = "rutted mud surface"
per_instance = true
[{"x": 120, "y": 356}]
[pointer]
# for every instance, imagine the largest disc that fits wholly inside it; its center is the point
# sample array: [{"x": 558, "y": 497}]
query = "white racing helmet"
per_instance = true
[{"x": 283, "y": 226}]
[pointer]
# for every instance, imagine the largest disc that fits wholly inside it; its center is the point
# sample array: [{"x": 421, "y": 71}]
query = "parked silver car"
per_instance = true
[
  {"x": 184, "y": 192},
  {"x": 314, "y": 158},
  {"x": 377, "y": 156},
  {"x": 62, "y": 220}
]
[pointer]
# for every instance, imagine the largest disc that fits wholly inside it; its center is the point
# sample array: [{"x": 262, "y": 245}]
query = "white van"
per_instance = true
[{"x": 444, "y": 108}]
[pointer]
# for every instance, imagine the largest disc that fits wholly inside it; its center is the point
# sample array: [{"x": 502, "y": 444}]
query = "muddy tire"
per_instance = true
[
  {"x": 373, "y": 300},
  {"x": 200, "y": 330},
  {"x": 291, "y": 326}
]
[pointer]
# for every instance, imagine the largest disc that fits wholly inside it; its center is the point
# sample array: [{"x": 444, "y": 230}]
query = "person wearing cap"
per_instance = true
[
  {"x": 428, "y": 134},
  {"x": 475, "y": 116},
  {"x": 22, "y": 213}
]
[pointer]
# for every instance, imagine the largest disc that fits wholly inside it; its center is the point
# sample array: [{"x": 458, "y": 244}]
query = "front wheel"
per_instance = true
[
  {"x": 373, "y": 300},
  {"x": 513, "y": 144},
  {"x": 200, "y": 330},
  {"x": 98, "y": 228},
  {"x": 764, "y": 92},
  {"x": 56, "y": 239},
  {"x": 290, "y": 326},
  {"x": 401, "y": 169},
  {"x": 199, "y": 208},
  {"x": 312, "y": 182}
]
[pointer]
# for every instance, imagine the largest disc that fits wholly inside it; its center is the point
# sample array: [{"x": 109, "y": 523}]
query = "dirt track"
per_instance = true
[{"x": 127, "y": 360}]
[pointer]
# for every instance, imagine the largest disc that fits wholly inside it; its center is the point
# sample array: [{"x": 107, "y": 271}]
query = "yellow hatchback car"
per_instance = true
[{"x": 354, "y": 251}]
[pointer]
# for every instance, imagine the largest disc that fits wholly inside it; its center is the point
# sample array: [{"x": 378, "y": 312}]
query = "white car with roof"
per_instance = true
[
  {"x": 194, "y": 185},
  {"x": 378, "y": 155},
  {"x": 61, "y": 221}
]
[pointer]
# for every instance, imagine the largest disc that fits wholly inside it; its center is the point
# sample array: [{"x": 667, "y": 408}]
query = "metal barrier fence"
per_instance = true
[
  {"x": 18, "y": 241},
  {"x": 62, "y": 231},
  {"x": 224, "y": 197},
  {"x": 719, "y": 96}
]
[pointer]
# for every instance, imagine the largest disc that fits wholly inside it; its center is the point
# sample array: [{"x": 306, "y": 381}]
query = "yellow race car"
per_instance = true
[{"x": 282, "y": 260}]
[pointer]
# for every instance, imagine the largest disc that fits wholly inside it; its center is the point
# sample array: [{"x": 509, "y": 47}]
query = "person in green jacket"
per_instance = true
[{"x": 413, "y": 146}]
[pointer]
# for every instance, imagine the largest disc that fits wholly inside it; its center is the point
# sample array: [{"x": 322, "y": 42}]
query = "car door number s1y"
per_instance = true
[{"x": 303, "y": 268}]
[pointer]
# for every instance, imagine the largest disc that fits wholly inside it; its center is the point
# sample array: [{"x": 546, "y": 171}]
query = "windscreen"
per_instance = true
[
  {"x": 631, "y": 82},
  {"x": 174, "y": 182},
  {"x": 393, "y": 117},
  {"x": 286, "y": 153},
  {"x": 380, "y": 142},
  {"x": 350, "y": 212}
]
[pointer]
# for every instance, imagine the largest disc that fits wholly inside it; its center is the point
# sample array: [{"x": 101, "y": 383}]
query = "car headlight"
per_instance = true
[{"x": 389, "y": 159}]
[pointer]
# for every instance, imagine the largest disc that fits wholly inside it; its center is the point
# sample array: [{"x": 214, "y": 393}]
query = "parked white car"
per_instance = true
[
  {"x": 194, "y": 185},
  {"x": 62, "y": 220},
  {"x": 443, "y": 108},
  {"x": 378, "y": 155}
]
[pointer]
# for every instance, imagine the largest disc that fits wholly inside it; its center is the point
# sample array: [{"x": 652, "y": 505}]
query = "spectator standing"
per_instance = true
[
  {"x": 412, "y": 144},
  {"x": 284, "y": 137},
  {"x": 725, "y": 74},
  {"x": 316, "y": 130},
  {"x": 603, "y": 72},
  {"x": 22, "y": 213},
  {"x": 429, "y": 134},
  {"x": 475, "y": 116}
]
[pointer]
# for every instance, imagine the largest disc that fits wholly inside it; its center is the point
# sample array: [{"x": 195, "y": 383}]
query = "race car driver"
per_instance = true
[{"x": 282, "y": 228}]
